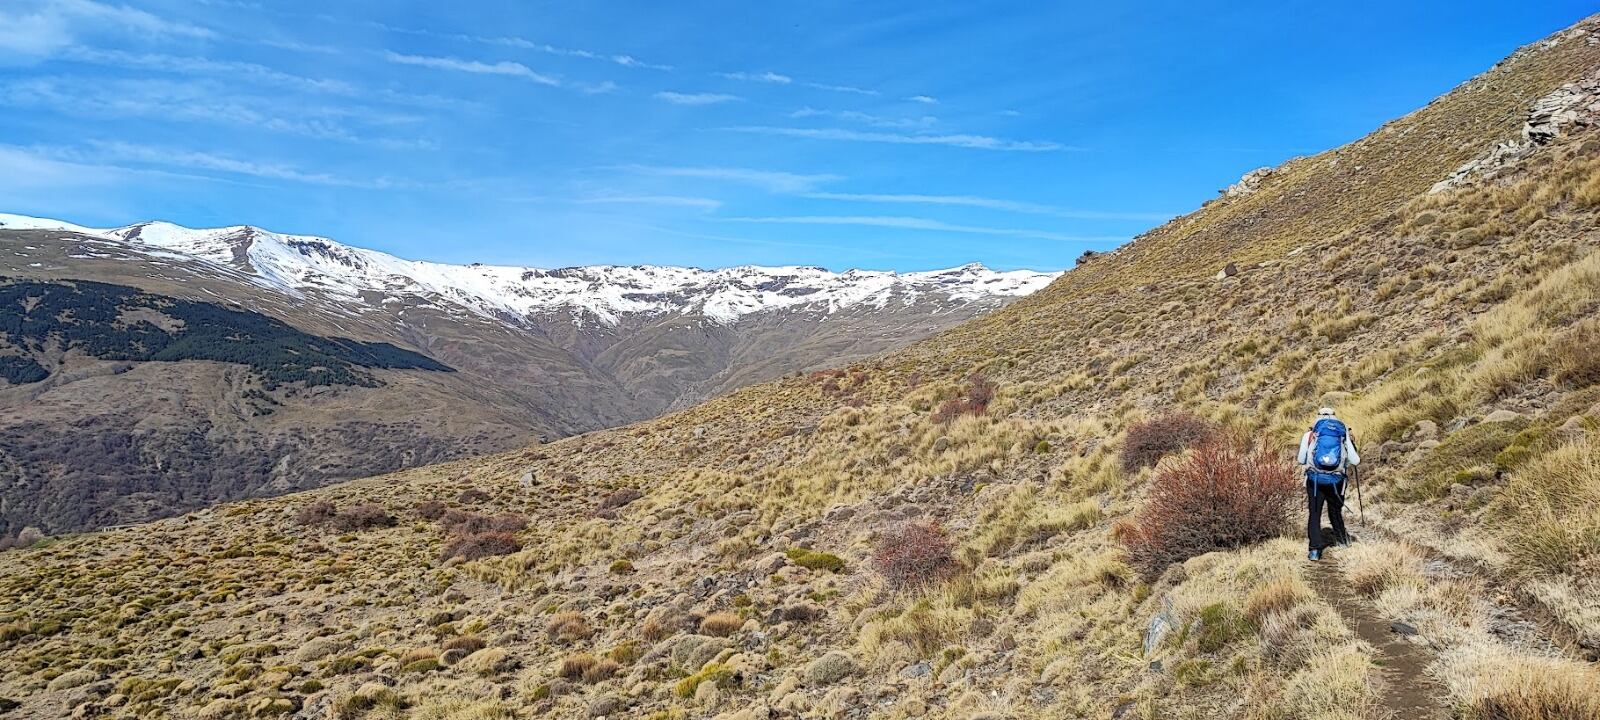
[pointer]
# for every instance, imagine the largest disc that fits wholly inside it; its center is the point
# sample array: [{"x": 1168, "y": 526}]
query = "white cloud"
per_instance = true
[
  {"x": 189, "y": 101},
  {"x": 906, "y": 123},
  {"x": 252, "y": 72},
  {"x": 598, "y": 88},
  {"x": 924, "y": 99},
  {"x": 765, "y": 77},
  {"x": 677, "y": 98},
  {"x": 667, "y": 200},
  {"x": 774, "y": 181},
  {"x": 982, "y": 142},
  {"x": 32, "y": 31},
  {"x": 122, "y": 152},
  {"x": 524, "y": 44},
  {"x": 503, "y": 67},
  {"x": 989, "y": 203},
  {"x": 843, "y": 89},
  {"x": 915, "y": 223}
]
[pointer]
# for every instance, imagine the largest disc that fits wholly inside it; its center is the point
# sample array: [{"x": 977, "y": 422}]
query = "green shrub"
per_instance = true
[
  {"x": 813, "y": 560},
  {"x": 716, "y": 673}
]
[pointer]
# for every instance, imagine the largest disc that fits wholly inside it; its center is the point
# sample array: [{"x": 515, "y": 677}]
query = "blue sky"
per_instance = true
[{"x": 885, "y": 134}]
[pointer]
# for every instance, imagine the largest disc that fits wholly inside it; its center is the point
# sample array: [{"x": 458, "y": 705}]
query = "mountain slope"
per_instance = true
[
  {"x": 536, "y": 353},
  {"x": 728, "y": 560}
]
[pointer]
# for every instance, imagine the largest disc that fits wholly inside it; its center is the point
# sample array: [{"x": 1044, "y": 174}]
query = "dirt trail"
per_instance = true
[{"x": 1409, "y": 693}]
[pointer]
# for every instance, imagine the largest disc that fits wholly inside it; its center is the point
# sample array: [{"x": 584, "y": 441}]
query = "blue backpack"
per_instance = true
[{"x": 1327, "y": 451}]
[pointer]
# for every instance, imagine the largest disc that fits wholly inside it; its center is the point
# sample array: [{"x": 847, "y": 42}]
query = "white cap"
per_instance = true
[{"x": 1325, "y": 412}]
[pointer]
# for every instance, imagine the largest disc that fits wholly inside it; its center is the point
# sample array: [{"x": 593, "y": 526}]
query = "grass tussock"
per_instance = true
[
  {"x": 1551, "y": 510},
  {"x": 1496, "y": 683}
]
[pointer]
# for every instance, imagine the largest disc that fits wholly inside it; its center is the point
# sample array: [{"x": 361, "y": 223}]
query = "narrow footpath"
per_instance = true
[{"x": 1409, "y": 692}]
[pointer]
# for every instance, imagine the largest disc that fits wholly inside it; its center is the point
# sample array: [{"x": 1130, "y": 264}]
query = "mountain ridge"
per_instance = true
[{"x": 296, "y": 263}]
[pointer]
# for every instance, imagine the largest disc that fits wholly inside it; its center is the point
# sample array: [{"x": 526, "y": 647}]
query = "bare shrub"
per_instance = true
[
  {"x": 601, "y": 671},
  {"x": 316, "y": 513},
  {"x": 362, "y": 517},
  {"x": 1223, "y": 495},
  {"x": 913, "y": 556},
  {"x": 431, "y": 510},
  {"x": 474, "y": 546},
  {"x": 472, "y": 496},
  {"x": 1149, "y": 441},
  {"x": 973, "y": 399},
  {"x": 620, "y": 498}
]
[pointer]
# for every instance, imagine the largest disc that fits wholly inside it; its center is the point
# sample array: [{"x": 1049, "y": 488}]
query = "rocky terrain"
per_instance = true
[
  {"x": 963, "y": 528},
  {"x": 533, "y": 353}
]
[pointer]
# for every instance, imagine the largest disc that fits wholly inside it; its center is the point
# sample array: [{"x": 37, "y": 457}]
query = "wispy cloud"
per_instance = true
[
  {"x": 193, "y": 101},
  {"x": 775, "y": 181},
  {"x": 524, "y": 44},
  {"x": 981, "y": 142},
  {"x": 765, "y": 77},
  {"x": 503, "y": 67},
  {"x": 989, "y": 203},
  {"x": 252, "y": 72},
  {"x": 916, "y": 223},
  {"x": 119, "y": 153},
  {"x": 678, "y": 98},
  {"x": 34, "y": 32},
  {"x": 896, "y": 123},
  {"x": 924, "y": 99},
  {"x": 843, "y": 89},
  {"x": 665, "y": 200}
]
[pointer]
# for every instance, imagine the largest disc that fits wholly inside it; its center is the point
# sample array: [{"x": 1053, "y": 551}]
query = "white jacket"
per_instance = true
[{"x": 1351, "y": 457}]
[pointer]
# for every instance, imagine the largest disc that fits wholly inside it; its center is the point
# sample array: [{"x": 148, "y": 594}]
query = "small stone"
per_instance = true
[
  {"x": 916, "y": 670},
  {"x": 1499, "y": 416},
  {"x": 1401, "y": 628},
  {"x": 1427, "y": 430}
]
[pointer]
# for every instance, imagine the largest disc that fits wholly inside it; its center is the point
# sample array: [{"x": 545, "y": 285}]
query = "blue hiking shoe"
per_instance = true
[{"x": 1314, "y": 555}]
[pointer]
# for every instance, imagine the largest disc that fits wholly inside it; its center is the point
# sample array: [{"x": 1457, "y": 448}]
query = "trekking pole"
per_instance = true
[{"x": 1355, "y": 476}]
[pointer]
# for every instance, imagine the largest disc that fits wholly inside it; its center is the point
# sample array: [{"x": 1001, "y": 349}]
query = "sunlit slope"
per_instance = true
[{"x": 718, "y": 562}]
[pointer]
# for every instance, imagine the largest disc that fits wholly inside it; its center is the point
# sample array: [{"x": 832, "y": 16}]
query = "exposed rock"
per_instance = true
[
  {"x": 1249, "y": 182},
  {"x": 1499, "y": 416}
]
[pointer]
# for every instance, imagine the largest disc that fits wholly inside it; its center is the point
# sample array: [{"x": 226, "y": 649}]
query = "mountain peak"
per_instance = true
[{"x": 300, "y": 264}]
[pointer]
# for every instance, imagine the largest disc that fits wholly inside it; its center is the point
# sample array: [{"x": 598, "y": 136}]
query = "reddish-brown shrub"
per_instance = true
[
  {"x": 974, "y": 399},
  {"x": 362, "y": 517},
  {"x": 1223, "y": 495},
  {"x": 619, "y": 498},
  {"x": 914, "y": 555},
  {"x": 1149, "y": 441},
  {"x": 316, "y": 513},
  {"x": 470, "y": 496},
  {"x": 472, "y": 546},
  {"x": 431, "y": 510}
]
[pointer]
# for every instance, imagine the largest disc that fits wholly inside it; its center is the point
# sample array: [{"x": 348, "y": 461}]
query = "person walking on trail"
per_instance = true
[{"x": 1327, "y": 452}]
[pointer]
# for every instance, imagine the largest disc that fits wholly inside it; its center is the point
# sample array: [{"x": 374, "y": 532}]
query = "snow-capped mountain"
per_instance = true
[
  {"x": 296, "y": 264},
  {"x": 535, "y": 352}
]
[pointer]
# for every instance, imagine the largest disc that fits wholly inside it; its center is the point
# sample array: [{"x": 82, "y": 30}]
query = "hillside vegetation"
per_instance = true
[{"x": 972, "y": 527}]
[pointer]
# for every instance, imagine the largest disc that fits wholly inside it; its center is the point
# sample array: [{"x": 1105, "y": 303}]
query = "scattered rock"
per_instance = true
[
  {"x": 1427, "y": 430},
  {"x": 916, "y": 670},
  {"x": 1499, "y": 416},
  {"x": 1401, "y": 628}
]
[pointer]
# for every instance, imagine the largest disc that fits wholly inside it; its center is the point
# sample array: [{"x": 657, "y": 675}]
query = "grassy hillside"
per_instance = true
[{"x": 777, "y": 552}]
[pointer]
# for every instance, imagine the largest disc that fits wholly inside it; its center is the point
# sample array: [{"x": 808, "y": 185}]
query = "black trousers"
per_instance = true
[{"x": 1316, "y": 495}]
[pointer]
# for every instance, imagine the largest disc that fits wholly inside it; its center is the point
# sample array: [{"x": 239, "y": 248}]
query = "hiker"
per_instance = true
[{"x": 1326, "y": 452}]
